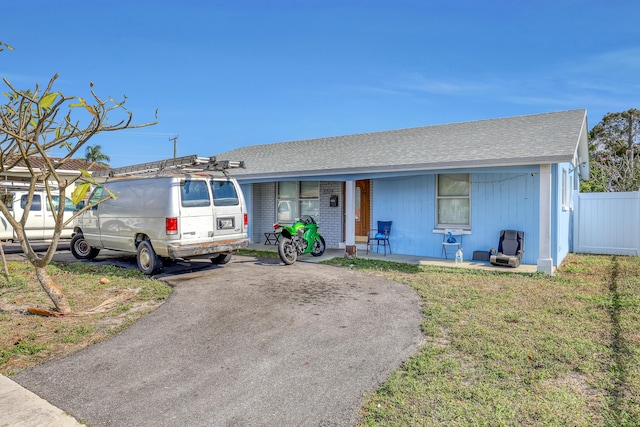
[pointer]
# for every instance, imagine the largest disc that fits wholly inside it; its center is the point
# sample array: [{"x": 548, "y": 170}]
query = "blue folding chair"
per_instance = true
[{"x": 380, "y": 236}]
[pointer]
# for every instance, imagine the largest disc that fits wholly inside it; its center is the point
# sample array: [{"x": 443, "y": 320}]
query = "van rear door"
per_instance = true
[
  {"x": 228, "y": 210},
  {"x": 196, "y": 224}
]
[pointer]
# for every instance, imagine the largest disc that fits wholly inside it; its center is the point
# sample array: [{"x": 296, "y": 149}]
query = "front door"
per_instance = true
[{"x": 362, "y": 210}]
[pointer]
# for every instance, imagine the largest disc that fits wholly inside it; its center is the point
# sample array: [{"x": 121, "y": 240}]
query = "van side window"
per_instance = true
[
  {"x": 194, "y": 194},
  {"x": 36, "y": 204},
  {"x": 224, "y": 193}
]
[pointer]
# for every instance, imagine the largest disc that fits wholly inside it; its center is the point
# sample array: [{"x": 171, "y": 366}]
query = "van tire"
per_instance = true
[
  {"x": 80, "y": 249},
  {"x": 221, "y": 259},
  {"x": 148, "y": 262}
]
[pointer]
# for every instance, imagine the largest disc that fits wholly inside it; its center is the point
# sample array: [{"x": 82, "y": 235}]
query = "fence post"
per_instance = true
[
  {"x": 575, "y": 222},
  {"x": 637, "y": 221}
]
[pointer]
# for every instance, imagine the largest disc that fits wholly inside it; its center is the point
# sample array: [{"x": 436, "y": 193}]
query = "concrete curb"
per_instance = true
[{"x": 19, "y": 407}]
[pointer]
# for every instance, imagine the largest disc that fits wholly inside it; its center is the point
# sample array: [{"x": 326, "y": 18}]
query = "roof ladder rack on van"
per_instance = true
[{"x": 185, "y": 164}]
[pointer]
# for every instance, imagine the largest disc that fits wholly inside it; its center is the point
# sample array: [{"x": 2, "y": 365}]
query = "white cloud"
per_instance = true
[
  {"x": 416, "y": 82},
  {"x": 627, "y": 60}
]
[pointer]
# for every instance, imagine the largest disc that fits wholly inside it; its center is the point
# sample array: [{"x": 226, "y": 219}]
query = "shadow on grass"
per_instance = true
[{"x": 621, "y": 353}]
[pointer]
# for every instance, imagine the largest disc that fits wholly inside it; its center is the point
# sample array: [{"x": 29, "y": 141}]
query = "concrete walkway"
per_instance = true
[{"x": 407, "y": 259}]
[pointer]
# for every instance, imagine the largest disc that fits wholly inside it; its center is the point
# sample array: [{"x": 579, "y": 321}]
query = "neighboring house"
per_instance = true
[
  {"x": 15, "y": 179},
  {"x": 484, "y": 176},
  {"x": 19, "y": 172},
  {"x": 18, "y": 176}
]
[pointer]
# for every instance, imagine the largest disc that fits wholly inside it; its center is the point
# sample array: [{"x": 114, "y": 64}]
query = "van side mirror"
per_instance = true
[{"x": 80, "y": 205}]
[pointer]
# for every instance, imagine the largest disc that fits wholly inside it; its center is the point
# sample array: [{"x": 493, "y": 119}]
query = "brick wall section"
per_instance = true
[
  {"x": 330, "y": 221},
  {"x": 264, "y": 210}
]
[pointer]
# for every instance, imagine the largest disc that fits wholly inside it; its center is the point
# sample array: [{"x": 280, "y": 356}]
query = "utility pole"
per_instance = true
[{"x": 175, "y": 145}]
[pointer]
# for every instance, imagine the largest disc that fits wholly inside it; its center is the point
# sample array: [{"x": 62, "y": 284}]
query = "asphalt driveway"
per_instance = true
[{"x": 252, "y": 343}]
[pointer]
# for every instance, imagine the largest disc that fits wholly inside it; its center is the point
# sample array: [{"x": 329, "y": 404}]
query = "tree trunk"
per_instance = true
[
  {"x": 56, "y": 295},
  {"x": 4, "y": 263}
]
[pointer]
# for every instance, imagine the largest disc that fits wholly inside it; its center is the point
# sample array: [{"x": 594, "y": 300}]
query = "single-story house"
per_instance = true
[
  {"x": 483, "y": 176},
  {"x": 14, "y": 173}
]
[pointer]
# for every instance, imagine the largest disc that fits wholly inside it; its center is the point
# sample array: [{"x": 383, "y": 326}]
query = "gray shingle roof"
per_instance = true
[
  {"x": 522, "y": 140},
  {"x": 70, "y": 164}
]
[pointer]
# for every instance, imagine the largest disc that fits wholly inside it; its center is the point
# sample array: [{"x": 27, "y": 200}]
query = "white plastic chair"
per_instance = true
[{"x": 451, "y": 241}]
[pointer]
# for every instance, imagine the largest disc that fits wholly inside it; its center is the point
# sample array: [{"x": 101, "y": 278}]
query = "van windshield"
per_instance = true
[
  {"x": 96, "y": 196},
  {"x": 224, "y": 193},
  {"x": 68, "y": 204}
]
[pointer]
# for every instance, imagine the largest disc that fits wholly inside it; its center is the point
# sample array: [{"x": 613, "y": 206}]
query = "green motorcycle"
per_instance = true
[{"x": 299, "y": 238}]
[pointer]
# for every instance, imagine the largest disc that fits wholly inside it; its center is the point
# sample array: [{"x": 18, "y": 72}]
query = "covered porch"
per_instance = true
[{"x": 408, "y": 259}]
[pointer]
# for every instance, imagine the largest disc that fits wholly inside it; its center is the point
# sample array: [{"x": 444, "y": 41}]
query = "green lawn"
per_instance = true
[{"x": 505, "y": 349}]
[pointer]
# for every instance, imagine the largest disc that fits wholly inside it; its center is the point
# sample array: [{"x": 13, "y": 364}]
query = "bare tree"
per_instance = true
[
  {"x": 615, "y": 158},
  {"x": 32, "y": 124}
]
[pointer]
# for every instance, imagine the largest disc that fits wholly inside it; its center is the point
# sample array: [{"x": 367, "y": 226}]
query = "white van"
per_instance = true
[
  {"x": 180, "y": 216},
  {"x": 41, "y": 221}
]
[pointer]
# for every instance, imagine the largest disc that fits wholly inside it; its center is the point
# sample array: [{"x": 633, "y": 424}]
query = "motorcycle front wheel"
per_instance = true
[
  {"x": 287, "y": 251},
  {"x": 318, "y": 246}
]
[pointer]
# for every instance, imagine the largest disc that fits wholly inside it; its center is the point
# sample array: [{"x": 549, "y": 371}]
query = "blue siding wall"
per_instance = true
[
  {"x": 500, "y": 200},
  {"x": 505, "y": 201},
  {"x": 410, "y": 203}
]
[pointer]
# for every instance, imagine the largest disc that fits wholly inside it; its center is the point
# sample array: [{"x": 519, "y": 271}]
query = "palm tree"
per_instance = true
[{"x": 95, "y": 155}]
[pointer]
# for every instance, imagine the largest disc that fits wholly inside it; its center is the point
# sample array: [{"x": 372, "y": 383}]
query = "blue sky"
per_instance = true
[{"x": 226, "y": 74}]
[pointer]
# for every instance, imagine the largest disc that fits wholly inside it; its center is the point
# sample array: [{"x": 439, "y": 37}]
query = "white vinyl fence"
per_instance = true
[{"x": 607, "y": 223}]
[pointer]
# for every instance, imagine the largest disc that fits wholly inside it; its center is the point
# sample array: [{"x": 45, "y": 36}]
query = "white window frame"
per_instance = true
[
  {"x": 467, "y": 225},
  {"x": 296, "y": 201}
]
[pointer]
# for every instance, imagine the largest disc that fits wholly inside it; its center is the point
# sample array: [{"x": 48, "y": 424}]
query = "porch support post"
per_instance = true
[
  {"x": 350, "y": 213},
  {"x": 545, "y": 262}
]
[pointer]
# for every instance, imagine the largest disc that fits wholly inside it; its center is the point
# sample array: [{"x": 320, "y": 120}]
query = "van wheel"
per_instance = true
[
  {"x": 148, "y": 262},
  {"x": 221, "y": 259},
  {"x": 81, "y": 249}
]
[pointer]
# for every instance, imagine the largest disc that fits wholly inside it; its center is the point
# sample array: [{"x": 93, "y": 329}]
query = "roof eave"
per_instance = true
[
  {"x": 421, "y": 167},
  {"x": 23, "y": 170},
  {"x": 582, "y": 151}
]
